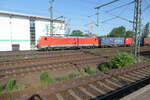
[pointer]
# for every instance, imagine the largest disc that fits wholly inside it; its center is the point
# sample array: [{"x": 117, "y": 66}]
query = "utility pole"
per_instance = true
[
  {"x": 51, "y": 16},
  {"x": 103, "y": 5},
  {"x": 137, "y": 29}
]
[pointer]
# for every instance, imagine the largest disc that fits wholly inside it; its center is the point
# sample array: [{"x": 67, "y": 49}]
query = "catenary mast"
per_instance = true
[{"x": 137, "y": 29}]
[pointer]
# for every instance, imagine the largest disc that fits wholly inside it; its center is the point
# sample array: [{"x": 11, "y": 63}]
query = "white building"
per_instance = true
[{"x": 21, "y": 32}]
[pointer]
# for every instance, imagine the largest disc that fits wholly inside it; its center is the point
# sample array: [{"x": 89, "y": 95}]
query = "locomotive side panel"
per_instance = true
[
  {"x": 65, "y": 42},
  {"x": 49, "y": 42},
  {"x": 90, "y": 41}
]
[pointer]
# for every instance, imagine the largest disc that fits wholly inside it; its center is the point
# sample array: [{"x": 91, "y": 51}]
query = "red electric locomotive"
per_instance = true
[{"x": 49, "y": 42}]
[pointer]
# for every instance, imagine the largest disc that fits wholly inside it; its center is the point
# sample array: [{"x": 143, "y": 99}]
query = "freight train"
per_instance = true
[{"x": 53, "y": 42}]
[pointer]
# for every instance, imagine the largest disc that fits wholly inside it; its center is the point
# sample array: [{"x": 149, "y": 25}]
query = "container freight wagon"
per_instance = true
[
  {"x": 146, "y": 41},
  {"x": 128, "y": 41},
  {"x": 112, "y": 41},
  {"x": 48, "y": 42}
]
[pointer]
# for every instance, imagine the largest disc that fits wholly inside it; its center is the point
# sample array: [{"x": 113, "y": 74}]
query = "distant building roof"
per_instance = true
[{"x": 29, "y": 16}]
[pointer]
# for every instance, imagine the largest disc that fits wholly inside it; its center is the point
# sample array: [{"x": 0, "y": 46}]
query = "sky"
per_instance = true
[{"x": 77, "y": 12}]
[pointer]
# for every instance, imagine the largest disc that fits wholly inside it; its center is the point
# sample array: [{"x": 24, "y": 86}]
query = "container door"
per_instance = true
[{"x": 15, "y": 47}]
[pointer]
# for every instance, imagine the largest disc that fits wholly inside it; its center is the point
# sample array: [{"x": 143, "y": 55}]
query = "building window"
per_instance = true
[
  {"x": 32, "y": 33},
  {"x": 45, "y": 38}
]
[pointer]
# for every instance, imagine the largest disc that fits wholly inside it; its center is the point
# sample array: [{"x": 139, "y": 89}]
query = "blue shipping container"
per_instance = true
[{"x": 112, "y": 41}]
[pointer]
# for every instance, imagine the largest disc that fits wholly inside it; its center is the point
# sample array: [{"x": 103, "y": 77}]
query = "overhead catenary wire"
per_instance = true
[
  {"x": 108, "y": 19},
  {"x": 146, "y": 8},
  {"x": 122, "y": 18},
  {"x": 89, "y": 2},
  {"x": 118, "y": 16},
  {"x": 114, "y": 9},
  {"x": 127, "y": 4},
  {"x": 101, "y": 6}
]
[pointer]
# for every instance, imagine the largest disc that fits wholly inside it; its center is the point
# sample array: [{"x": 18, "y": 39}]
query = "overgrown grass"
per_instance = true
[
  {"x": 95, "y": 51},
  {"x": 105, "y": 66},
  {"x": 1, "y": 87},
  {"x": 44, "y": 77},
  {"x": 71, "y": 76},
  {"x": 9, "y": 86},
  {"x": 90, "y": 70},
  {"x": 144, "y": 59}
]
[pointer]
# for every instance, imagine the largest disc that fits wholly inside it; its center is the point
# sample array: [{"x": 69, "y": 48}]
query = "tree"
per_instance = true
[
  {"x": 77, "y": 33},
  {"x": 118, "y": 32},
  {"x": 129, "y": 33},
  {"x": 146, "y": 31}
]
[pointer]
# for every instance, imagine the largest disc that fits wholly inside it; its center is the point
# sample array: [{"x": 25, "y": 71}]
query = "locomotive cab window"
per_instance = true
[{"x": 45, "y": 38}]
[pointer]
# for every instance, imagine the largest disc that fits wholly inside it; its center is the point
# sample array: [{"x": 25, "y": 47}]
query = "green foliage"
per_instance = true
[
  {"x": 146, "y": 31},
  {"x": 144, "y": 59},
  {"x": 74, "y": 75},
  {"x": 117, "y": 61},
  {"x": 122, "y": 59},
  {"x": 70, "y": 76},
  {"x": 96, "y": 51},
  {"x": 105, "y": 66},
  {"x": 77, "y": 33},
  {"x": 44, "y": 77},
  {"x": 118, "y": 32},
  {"x": 90, "y": 70},
  {"x": 129, "y": 33},
  {"x": 11, "y": 85},
  {"x": 1, "y": 87}
]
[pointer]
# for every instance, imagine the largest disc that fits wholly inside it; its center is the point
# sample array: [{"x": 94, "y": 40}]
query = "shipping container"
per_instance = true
[
  {"x": 146, "y": 41},
  {"x": 128, "y": 41},
  {"x": 112, "y": 41}
]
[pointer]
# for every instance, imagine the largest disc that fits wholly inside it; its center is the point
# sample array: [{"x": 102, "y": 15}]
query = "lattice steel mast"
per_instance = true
[
  {"x": 51, "y": 16},
  {"x": 137, "y": 29}
]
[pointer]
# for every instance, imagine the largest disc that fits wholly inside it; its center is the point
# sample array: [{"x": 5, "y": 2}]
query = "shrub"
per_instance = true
[
  {"x": 44, "y": 77},
  {"x": 105, "y": 67},
  {"x": 144, "y": 59},
  {"x": 121, "y": 60},
  {"x": 1, "y": 87},
  {"x": 117, "y": 61},
  {"x": 90, "y": 70},
  {"x": 74, "y": 75},
  {"x": 11, "y": 85},
  {"x": 70, "y": 76}
]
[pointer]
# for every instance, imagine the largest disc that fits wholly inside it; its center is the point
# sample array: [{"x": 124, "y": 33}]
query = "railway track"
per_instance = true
[
  {"x": 43, "y": 59},
  {"x": 49, "y": 64},
  {"x": 21, "y": 55},
  {"x": 98, "y": 86},
  {"x": 75, "y": 61}
]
